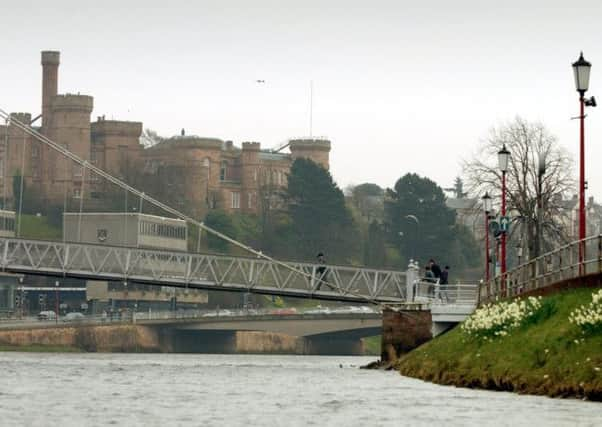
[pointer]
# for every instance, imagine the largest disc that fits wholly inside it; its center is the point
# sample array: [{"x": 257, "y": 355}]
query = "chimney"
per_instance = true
[{"x": 50, "y": 81}]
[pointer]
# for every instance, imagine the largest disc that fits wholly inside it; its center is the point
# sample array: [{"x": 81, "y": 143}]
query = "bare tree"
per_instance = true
[{"x": 527, "y": 142}]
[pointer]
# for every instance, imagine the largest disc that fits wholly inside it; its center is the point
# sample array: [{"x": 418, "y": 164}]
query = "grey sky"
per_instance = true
[{"x": 400, "y": 86}]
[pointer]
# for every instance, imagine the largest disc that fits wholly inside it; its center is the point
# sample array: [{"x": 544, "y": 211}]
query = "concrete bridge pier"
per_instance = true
[{"x": 404, "y": 329}]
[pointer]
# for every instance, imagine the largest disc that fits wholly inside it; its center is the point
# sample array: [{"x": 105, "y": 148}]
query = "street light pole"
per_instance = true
[
  {"x": 581, "y": 70},
  {"x": 487, "y": 208},
  {"x": 56, "y": 300},
  {"x": 417, "y": 234},
  {"x": 541, "y": 170},
  {"x": 503, "y": 158}
]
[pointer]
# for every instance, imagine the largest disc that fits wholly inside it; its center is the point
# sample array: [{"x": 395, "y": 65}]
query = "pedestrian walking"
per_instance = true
[{"x": 321, "y": 270}]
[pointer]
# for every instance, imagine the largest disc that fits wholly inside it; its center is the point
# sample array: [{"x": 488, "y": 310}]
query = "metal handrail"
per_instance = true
[
  {"x": 436, "y": 293},
  {"x": 560, "y": 264}
]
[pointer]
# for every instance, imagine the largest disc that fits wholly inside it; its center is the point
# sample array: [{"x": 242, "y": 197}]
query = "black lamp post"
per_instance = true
[
  {"x": 503, "y": 157},
  {"x": 581, "y": 70},
  {"x": 487, "y": 209},
  {"x": 541, "y": 170}
]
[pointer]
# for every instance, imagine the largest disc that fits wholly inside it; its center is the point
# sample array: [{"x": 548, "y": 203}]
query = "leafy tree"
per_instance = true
[
  {"x": 375, "y": 254},
  {"x": 419, "y": 221},
  {"x": 32, "y": 203},
  {"x": 320, "y": 221},
  {"x": 368, "y": 200}
]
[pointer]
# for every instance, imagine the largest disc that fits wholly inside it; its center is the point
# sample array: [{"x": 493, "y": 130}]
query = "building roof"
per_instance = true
[
  {"x": 268, "y": 155},
  {"x": 122, "y": 214},
  {"x": 189, "y": 142}
]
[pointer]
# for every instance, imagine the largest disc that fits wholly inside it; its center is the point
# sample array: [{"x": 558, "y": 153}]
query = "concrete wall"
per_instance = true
[
  {"x": 126, "y": 338},
  {"x": 118, "y": 229},
  {"x": 121, "y": 229}
]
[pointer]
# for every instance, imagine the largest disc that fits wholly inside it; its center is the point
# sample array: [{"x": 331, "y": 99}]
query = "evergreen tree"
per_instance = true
[
  {"x": 320, "y": 221},
  {"x": 222, "y": 222},
  {"x": 419, "y": 221}
]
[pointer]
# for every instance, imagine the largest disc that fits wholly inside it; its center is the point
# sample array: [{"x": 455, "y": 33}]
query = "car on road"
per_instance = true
[
  {"x": 73, "y": 317},
  {"x": 47, "y": 315}
]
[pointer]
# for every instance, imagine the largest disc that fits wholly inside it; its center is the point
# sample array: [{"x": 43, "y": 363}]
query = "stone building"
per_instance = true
[{"x": 188, "y": 172}]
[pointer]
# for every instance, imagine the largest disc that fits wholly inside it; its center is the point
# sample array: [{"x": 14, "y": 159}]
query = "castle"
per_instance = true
[{"x": 188, "y": 172}]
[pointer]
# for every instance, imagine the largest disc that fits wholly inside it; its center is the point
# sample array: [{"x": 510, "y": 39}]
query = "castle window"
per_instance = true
[
  {"x": 255, "y": 175},
  {"x": 77, "y": 171},
  {"x": 77, "y": 193},
  {"x": 223, "y": 171},
  {"x": 206, "y": 162},
  {"x": 250, "y": 200},
  {"x": 235, "y": 200},
  {"x": 35, "y": 151}
]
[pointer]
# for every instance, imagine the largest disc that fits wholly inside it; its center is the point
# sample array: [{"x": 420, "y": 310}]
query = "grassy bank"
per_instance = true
[{"x": 547, "y": 355}]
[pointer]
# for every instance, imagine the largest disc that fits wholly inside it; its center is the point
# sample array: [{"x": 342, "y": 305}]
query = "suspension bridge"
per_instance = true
[{"x": 257, "y": 273}]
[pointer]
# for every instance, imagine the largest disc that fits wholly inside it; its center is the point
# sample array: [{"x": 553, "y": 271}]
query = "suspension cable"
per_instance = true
[
  {"x": 75, "y": 158},
  {"x": 21, "y": 185},
  {"x": 81, "y": 202},
  {"x": 4, "y": 171},
  {"x": 125, "y": 216}
]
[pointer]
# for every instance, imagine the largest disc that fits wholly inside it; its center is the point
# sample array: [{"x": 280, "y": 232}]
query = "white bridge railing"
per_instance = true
[
  {"x": 181, "y": 269},
  {"x": 456, "y": 294}
]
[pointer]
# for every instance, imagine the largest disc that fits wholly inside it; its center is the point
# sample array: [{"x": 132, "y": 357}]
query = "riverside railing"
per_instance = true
[{"x": 555, "y": 266}]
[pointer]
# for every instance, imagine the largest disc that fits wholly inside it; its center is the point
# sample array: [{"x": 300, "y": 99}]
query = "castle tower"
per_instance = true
[
  {"x": 314, "y": 149},
  {"x": 250, "y": 175},
  {"x": 70, "y": 127},
  {"x": 50, "y": 81}
]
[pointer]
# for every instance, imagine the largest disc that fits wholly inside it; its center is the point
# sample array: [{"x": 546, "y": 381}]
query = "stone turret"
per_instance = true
[
  {"x": 50, "y": 81},
  {"x": 116, "y": 145},
  {"x": 70, "y": 127},
  {"x": 315, "y": 149},
  {"x": 250, "y": 165}
]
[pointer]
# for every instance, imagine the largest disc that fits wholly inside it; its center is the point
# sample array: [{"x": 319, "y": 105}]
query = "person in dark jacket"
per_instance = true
[
  {"x": 435, "y": 268},
  {"x": 444, "y": 280},
  {"x": 321, "y": 270}
]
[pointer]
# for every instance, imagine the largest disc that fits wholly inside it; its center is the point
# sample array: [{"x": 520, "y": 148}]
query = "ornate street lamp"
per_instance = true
[
  {"x": 503, "y": 157},
  {"x": 581, "y": 70},
  {"x": 487, "y": 207}
]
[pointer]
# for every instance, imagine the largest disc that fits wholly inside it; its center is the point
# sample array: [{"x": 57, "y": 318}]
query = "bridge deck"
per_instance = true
[{"x": 182, "y": 269}]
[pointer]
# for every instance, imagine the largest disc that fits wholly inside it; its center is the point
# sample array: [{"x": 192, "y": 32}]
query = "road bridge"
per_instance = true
[{"x": 351, "y": 325}]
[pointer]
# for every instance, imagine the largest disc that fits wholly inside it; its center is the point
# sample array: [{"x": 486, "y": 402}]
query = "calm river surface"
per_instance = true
[{"x": 38, "y": 389}]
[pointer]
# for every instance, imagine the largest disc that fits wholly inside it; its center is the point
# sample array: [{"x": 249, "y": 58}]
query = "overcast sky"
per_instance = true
[{"x": 399, "y": 86}]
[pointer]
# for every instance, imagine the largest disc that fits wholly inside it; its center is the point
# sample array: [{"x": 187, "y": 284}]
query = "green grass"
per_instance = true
[
  {"x": 37, "y": 227},
  {"x": 548, "y": 355},
  {"x": 372, "y": 345},
  {"x": 37, "y": 348}
]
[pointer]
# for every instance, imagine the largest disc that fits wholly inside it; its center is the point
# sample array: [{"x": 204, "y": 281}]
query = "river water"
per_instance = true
[{"x": 41, "y": 389}]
